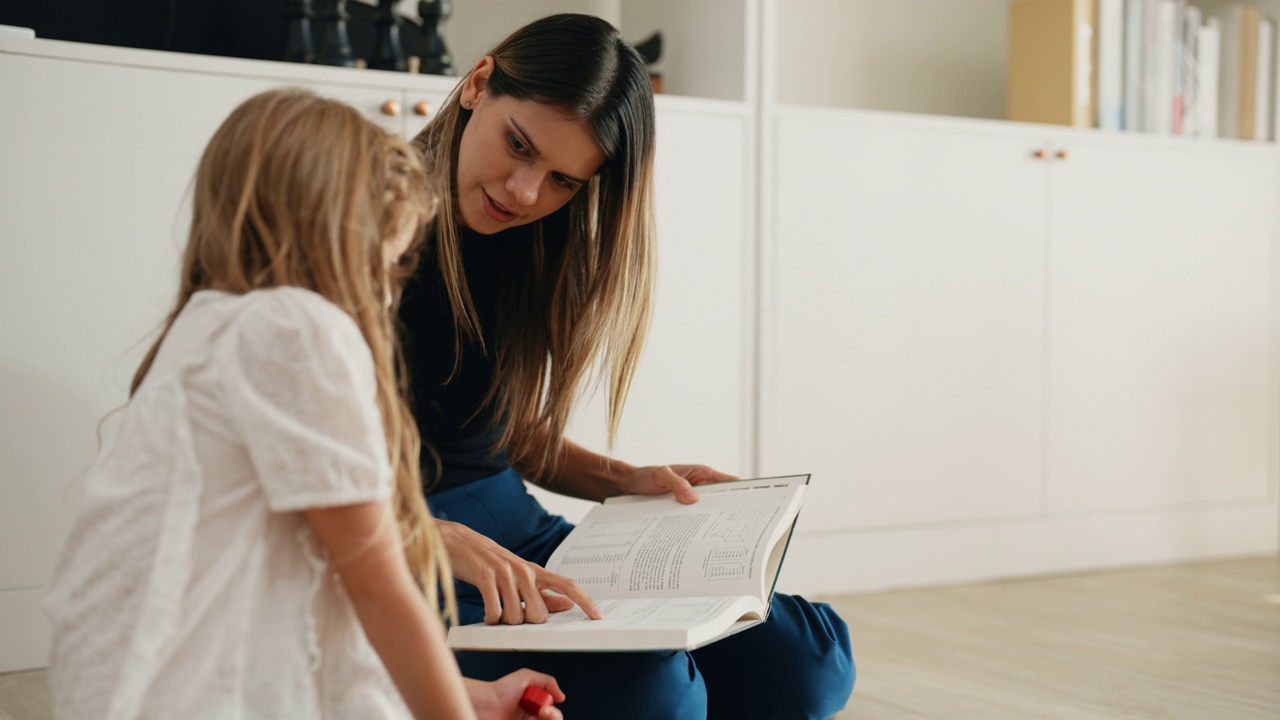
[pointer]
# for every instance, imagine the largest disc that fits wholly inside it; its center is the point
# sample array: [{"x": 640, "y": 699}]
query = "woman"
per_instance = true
[{"x": 542, "y": 264}]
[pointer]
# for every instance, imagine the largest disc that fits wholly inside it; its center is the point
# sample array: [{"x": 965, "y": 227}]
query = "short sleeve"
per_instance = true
[{"x": 301, "y": 392}]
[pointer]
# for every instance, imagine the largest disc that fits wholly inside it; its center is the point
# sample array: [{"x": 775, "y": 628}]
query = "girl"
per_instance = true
[
  {"x": 242, "y": 549},
  {"x": 542, "y": 263}
]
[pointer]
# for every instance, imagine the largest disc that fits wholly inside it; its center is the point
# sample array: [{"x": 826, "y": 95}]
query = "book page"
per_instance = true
[{"x": 654, "y": 546}]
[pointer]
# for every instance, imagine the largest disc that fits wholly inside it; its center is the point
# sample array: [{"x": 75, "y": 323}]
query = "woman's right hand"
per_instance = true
[
  {"x": 514, "y": 590},
  {"x": 500, "y": 699}
]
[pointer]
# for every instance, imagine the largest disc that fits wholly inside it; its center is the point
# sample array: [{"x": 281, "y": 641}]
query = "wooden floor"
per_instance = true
[{"x": 1189, "y": 642}]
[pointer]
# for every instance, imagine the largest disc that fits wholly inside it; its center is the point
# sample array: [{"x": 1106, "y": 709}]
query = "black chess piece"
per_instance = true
[
  {"x": 387, "y": 53},
  {"x": 651, "y": 49},
  {"x": 335, "y": 45},
  {"x": 435, "y": 56},
  {"x": 298, "y": 45}
]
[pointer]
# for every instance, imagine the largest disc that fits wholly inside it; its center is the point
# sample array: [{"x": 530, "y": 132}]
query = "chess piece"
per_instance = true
[
  {"x": 335, "y": 45},
  {"x": 435, "y": 56},
  {"x": 298, "y": 45},
  {"x": 650, "y": 50},
  {"x": 387, "y": 53}
]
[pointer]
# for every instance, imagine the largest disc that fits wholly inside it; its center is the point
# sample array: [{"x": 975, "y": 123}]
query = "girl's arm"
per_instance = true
[
  {"x": 364, "y": 544},
  {"x": 583, "y": 474}
]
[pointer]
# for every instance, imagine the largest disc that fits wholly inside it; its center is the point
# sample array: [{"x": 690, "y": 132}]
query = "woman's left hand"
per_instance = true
[{"x": 675, "y": 479}]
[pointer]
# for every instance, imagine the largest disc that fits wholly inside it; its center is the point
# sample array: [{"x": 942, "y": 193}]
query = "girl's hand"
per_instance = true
[
  {"x": 515, "y": 591},
  {"x": 676, "y": 479},
  {"x": 500, "y": 699}
]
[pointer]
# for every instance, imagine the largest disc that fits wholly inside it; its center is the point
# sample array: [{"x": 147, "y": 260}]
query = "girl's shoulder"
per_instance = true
[
  {"x": 286, "y": 312},
  {"x": 292, "y": 326}
]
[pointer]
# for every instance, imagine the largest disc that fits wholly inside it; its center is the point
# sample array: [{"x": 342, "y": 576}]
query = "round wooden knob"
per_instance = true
[
  {"x": 1062, "y": 154},
  {"x": 391, "y": 107},
  {"x": 1040, "y": 154},
  {"x": 422, "y": 108}
]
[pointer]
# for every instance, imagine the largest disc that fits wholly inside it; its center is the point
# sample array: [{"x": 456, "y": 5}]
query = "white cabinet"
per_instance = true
[
  {"x": 1002, "y": 348},
  {"x": 903, "y": 348},
  {"x": 1162, "y": 316}
]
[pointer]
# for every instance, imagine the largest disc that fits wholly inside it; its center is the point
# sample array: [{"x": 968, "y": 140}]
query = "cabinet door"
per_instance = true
[
  {"x": 1163, "y": 363},
  {"x": 690, "y": 399},
  {"x": 903, "y": 339}
]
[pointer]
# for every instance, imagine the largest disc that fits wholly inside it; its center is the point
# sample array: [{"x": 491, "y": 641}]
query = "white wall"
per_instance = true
[
  {"x": 703, "y": 44},
  {"x": 928, "y": 56}
]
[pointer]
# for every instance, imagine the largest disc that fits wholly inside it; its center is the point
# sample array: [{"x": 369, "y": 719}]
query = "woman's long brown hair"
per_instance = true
[
  {"x": 585, "y": 294},
  {"x": 298, "y": 190}
]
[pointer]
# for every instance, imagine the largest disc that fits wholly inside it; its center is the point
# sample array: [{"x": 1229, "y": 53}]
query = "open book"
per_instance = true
[{"x": 666, "y": 575}]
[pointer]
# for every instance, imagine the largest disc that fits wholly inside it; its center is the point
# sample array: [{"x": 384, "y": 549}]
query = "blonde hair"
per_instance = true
[
  {"x": 587, "y": 282},
  {"x": 298, "y": 190}
]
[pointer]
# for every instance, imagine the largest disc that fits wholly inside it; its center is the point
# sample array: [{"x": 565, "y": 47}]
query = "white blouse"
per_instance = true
[{"x": 191, "y": 585}]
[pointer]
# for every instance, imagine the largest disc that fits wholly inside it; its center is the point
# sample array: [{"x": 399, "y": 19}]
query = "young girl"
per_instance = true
[
  {"x": 541, "y": 265},
  {"x": 253, "y": 536}
]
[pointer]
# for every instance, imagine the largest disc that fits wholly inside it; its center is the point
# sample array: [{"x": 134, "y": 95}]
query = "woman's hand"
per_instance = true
[
  {"x": 500, "y": 699},
  {"x": 676, "y": 479},
  {"x": 514, "y": 590}
]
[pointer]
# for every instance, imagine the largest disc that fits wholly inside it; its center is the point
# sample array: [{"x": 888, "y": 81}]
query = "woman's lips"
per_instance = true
[{"x": 496, "y": 211}]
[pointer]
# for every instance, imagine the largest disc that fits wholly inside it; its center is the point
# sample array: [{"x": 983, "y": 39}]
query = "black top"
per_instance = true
[{"x": 444, "y": 407}]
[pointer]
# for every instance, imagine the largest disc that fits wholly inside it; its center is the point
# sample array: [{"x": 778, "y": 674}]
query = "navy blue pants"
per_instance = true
[{"x": 797, "y": 664}]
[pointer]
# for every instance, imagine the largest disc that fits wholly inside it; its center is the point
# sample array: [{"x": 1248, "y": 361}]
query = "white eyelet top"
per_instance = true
[{"x": 191, "y": 585}]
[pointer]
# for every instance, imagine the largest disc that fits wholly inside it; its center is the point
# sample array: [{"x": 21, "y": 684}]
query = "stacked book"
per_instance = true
[{"x": 1157, "y": 66}]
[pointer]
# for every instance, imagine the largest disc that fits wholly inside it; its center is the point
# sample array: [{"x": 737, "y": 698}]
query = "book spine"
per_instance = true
[
  {"x": 1083, "y": 69},
  {"x": 1191, "y": 21},
  {"x": 1110, "y": 64},
  {"x": 1246, "y": 107},
  {"x": 1208, "y": 60},
  {"x": 1264, "y": 85},
  {"x": 1134, "y": 22}
]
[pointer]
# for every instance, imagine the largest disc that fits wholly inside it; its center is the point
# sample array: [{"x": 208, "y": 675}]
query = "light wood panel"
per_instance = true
[{"x": 1185, "y": 642}]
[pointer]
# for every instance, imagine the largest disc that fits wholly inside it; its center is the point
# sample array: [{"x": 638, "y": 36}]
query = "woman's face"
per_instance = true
[{"x": 519, "y": 160}]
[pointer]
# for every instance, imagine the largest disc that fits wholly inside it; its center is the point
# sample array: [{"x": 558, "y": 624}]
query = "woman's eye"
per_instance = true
[
  {"x": 565, "y": 182},
  {"x": 516, "y": 145}
]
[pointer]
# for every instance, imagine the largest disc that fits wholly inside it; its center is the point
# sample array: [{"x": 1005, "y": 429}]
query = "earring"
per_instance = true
[{"x": 467, "y": 104}]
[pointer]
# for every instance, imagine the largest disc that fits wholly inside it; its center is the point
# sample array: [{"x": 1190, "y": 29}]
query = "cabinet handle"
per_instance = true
[
  {"x": 422, "y": 108},
  {"x": 390, "y": 107},
  {"x": 1062, "y": 154},
  {"x": 1040, "y": 154}
]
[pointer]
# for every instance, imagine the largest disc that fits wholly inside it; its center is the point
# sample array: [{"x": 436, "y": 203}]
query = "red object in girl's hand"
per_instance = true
[{"x": 534, "y": 699}]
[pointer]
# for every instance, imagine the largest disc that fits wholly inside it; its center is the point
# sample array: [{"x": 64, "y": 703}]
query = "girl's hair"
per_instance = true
[
  {"x": 298, "y": 190},
  {"x": 585, "y": 288}
]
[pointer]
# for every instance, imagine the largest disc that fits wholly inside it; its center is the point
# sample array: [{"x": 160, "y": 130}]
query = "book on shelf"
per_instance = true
[
  {"x": 1237, "y": 106},
  {"x": 1051, "y": 62},
  {"x": 1264, "y": 81},
  {"x": 668, "y": 576},
  {"x": 1134, "y": 28},
  {"x": 1208, "y": 54},
  {"x": 1161, "y": 38},
  {"x": 1109, "y": 62},
  {"x": 1187, "y": 93}
]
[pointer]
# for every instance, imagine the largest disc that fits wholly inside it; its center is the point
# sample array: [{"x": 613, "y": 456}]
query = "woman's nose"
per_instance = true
[{"x": 523, "y": 186}]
